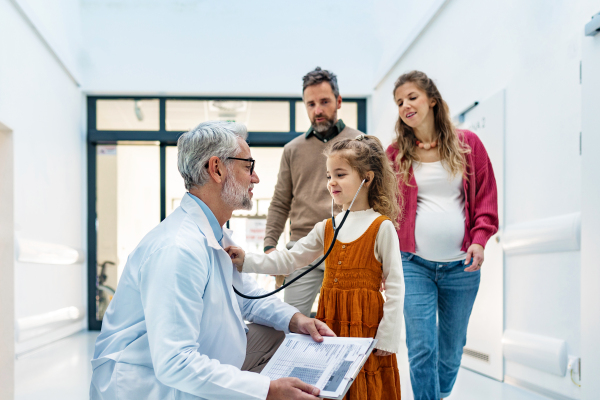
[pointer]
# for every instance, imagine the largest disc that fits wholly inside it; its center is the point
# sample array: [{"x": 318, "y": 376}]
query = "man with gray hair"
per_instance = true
[{"x": 175, "y": 328}]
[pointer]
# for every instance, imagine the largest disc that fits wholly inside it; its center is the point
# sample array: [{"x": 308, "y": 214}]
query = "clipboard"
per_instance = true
[
  {"x": 355, "y": 373},
  {"x": 331, "y": 365}
]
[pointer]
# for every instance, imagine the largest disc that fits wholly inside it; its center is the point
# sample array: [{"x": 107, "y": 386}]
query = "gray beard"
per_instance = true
[
  {"x": 323, "y": 127},
  {"x": 235, "y": 195}
]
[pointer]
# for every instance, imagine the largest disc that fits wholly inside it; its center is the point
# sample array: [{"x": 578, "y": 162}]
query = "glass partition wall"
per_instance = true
[{"x": 133, "y": 181}]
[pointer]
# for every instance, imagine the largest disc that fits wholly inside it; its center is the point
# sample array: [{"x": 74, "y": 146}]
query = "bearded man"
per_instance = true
[
  {"x": 175, "y": 328},
  {"x": 301, "y": 191}
]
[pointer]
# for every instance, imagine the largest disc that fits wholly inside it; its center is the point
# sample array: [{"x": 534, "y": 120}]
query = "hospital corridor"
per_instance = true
[{"x": 157, "y": 155}]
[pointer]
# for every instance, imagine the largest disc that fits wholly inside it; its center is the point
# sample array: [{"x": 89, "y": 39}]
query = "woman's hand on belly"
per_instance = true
[{"x": 474, "y": 252}]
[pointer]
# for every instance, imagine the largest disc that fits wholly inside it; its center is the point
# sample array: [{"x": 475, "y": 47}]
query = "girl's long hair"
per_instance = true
[
  {"x": 364, "y": 154},
  {"x": 452, "y": 151}
]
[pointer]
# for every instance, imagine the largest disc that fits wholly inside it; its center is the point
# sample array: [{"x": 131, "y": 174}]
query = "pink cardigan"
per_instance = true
[{"x": 481, "y": 203}]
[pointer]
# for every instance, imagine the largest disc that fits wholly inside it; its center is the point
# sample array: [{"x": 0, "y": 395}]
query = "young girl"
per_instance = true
[{"x": 366, "y": 248}]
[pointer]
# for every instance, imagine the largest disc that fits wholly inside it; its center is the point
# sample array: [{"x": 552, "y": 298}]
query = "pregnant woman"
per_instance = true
[{"x": 450, "y": 212}]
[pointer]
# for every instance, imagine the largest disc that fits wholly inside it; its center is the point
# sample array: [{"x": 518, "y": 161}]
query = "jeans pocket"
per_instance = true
[{"x": 405, "y": 256}]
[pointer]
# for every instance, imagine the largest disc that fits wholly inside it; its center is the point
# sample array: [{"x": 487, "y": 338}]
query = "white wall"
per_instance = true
[
  {"x": 7, "y": 285},
  {"x": 533, "y": 49},
  {"x": 42, "y": 104},
  {"x": 59, "y": 22},
  {"x": 590, "y": 234},
  {"x": 225, "y": 47}
]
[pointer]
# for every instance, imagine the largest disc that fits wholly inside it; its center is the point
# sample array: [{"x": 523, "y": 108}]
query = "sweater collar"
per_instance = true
[{"x": 333, "y": 132}]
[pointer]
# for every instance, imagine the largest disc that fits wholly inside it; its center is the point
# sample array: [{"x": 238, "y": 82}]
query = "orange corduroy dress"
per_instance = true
[{"x": 351, "y": 304}]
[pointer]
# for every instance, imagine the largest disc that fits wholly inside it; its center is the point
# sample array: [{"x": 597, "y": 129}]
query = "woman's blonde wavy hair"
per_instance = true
[
  {"x": 364, "y": 154},
  {"x": 452, "y": 151}
]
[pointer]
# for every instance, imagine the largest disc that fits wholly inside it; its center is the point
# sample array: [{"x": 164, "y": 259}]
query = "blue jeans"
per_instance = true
[{"x": 435, "y": 346}]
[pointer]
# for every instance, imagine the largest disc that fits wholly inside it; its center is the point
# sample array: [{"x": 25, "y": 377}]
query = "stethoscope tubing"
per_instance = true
[{"x": 335, "y": 233}]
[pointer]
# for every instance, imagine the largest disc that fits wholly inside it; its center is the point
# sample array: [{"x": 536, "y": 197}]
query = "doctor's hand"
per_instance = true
[
  {"x": 310, "y": 326},
  {"x": 237, "y": 256},
  {"x": 291, "y": 388}
]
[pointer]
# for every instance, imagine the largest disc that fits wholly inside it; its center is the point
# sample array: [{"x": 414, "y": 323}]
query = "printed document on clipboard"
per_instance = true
[{"x": 331, "y": 365}]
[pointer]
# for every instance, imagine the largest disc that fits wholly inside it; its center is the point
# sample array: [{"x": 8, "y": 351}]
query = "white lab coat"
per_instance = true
[{"x": 175, "y": 329}]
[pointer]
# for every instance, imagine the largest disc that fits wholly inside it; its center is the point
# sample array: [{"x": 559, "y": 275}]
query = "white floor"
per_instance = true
[
  {"x": 62, "y": 371},
  {"x": 469, "y": 385}
]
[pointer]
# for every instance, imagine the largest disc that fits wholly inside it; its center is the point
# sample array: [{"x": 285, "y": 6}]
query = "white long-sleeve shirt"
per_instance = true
[
  {"x": 387, "y": 251},
  {"x": 440, "y": 219}
]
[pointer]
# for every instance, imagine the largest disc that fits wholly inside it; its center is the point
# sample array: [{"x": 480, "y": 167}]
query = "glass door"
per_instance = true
[
  {"x": 134, "y": 183},
  {"x": 127, "y": 207}
]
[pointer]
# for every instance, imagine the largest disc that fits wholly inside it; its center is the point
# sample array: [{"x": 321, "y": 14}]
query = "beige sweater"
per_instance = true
[{"x": 301, "y": 190}]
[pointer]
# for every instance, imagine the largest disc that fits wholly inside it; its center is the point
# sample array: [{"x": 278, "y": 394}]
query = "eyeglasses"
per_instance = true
[{"x": 250, "y": 160}]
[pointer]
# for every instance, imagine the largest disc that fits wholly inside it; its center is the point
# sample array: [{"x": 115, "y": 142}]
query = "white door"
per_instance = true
[
  {"x": 590, "y": 215},
  {"x": 483, "y": 352}
]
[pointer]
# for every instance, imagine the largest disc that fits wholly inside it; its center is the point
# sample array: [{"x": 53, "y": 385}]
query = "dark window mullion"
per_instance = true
[
  {"x": 162, "y": 115},
  {"x": 361, "y": 111},
  {"x": 163, "y": 157},
  {"x": 115, "y": 136},
  {"x": 163, "y": 181},
  {"x": 292, "y": 115},
  {"x": 93, "y": 323}
]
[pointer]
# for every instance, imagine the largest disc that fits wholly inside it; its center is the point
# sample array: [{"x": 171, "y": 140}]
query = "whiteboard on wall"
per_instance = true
[{"x": 483, "y": 351}]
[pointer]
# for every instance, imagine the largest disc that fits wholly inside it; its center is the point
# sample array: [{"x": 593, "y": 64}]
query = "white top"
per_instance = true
[
  {"x": 387, "y": 252},
  {"x": 175, "y": 328},
  {"x": 440, "y": 221}
]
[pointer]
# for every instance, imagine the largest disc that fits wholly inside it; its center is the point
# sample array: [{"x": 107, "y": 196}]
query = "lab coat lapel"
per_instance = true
[
  {"x": 236, "y": 275},
  {"x": 221, "y": 257},
  {"x": 232, "y": 276},
  {"x": 195, "y": 212}
]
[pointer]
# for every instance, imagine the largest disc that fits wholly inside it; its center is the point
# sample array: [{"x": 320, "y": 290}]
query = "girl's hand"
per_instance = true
[
  {"x": 381, "y": 353},
  {"x": 237, "y": 256},
  {"x": 475, "y": 252}
]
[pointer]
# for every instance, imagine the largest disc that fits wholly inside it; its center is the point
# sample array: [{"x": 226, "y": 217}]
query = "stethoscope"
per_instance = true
[{"x": 335, "y": 233}]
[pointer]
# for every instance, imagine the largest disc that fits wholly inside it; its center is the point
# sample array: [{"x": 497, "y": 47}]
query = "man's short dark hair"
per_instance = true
[{"x": 318, "y": 76}]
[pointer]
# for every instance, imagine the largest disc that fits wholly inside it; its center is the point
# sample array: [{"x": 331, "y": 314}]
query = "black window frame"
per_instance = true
[{"x": 166, "y": 138}]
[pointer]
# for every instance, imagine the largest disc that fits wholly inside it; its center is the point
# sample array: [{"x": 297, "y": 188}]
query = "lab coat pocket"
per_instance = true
[{"x": 139, "y": 382}]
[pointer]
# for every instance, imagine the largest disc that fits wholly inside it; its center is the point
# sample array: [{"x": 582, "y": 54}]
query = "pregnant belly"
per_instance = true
[{"x": 439, "y": 235}]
